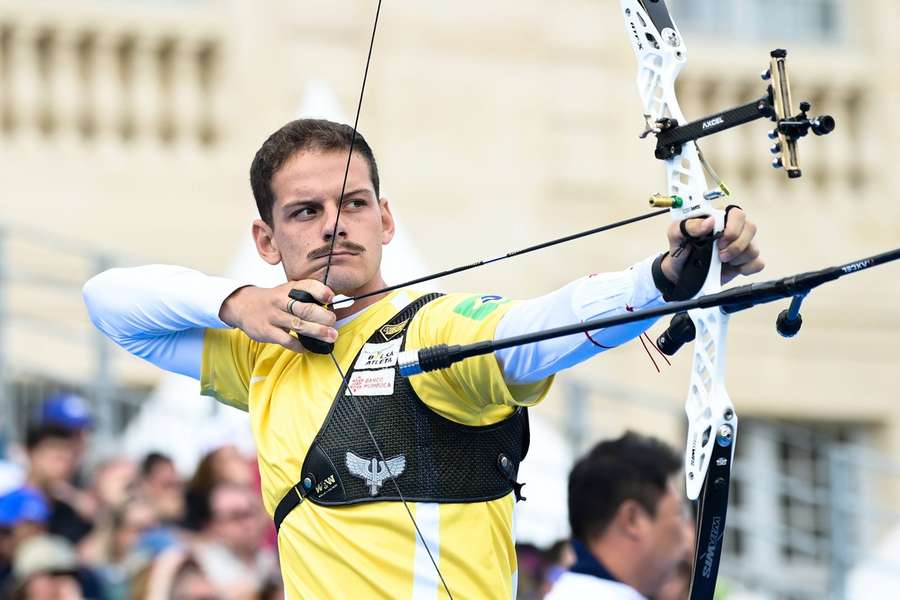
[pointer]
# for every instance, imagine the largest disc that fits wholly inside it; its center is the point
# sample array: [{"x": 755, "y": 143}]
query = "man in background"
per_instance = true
[{"x": 630, "y": 527}]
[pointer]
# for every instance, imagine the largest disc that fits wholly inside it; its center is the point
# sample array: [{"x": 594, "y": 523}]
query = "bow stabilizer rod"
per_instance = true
[{"x": 731, "y": 300}]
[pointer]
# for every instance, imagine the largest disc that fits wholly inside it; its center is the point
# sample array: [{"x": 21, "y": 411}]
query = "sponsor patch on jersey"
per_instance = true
[
  {"x": 372, "y": 383},
  {"x": 379, "y": 356}
]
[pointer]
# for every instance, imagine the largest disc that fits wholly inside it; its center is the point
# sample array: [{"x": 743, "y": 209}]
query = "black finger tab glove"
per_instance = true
[{"x": 693, "y": 274}]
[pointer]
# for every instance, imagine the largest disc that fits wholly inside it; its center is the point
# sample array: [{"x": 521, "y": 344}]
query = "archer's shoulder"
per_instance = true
[
  {"x": 466, "y": 306},
  {"x": 235, "y": 342},
  {"x": 458, "y": 318}
]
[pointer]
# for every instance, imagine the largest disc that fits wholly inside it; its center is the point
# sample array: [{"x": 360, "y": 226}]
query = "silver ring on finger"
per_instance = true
[{"x": 290, "y": 305}]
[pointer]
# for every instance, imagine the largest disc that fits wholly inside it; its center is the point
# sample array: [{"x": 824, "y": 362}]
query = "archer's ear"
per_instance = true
[
  {"x": 387, "y": 221},
  {"x": 264, "y": 238}
]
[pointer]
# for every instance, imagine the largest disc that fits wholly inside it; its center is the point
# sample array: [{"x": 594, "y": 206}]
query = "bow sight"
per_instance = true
[{"x": 775, "y": 105}]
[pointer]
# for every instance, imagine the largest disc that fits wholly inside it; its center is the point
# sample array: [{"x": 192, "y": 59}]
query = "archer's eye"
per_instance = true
[
  {"x": 356, "y": 203},
  {"x": 303, "y": 213}
]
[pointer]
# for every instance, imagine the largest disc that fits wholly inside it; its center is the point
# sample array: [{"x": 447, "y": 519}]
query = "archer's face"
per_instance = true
[{"x": 307, "y": 189}]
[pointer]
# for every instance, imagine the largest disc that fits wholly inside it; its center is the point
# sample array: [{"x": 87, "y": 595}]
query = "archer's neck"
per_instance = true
[{"x": 376, "y": 283}]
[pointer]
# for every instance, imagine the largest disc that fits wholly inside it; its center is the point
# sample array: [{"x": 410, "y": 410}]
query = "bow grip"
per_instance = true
[{"x": 312, "y": 344}]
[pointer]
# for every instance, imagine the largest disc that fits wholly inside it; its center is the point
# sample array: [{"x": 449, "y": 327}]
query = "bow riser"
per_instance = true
[
  {"x": 708, "y": 406},
  {"x": 661, "y": 55}
]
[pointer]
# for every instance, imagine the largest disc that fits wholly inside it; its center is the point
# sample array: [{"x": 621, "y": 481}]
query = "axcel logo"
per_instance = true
[{"x": 857, "y": 266}]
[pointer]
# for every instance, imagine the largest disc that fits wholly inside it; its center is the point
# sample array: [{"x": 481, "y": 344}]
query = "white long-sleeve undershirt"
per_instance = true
[
  {"x": 591, "y": 297},
  {"x": 159, "y": 313}
]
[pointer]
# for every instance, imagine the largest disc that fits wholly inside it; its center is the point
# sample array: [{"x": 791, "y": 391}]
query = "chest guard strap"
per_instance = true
[{"x": 433, "y": 458}]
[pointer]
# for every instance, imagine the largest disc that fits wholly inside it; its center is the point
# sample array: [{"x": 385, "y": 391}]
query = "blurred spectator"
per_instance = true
[
  {"x": 23, "y": 514},
  {"x": 72, "y": 412},
  {"x": 629, "y": 524},
  {"x": 173, "y": 575},
  {"x": 272, "y": 590},
  {"x": 162, "y": 486},
  {"x": 119, "y": 546},
  {"x": 222, "y": 465},
  {"x": 230, "y": 547},
  {"x": 559, "y": 557},
  {"x": 113, "y": 482},
  {"x": 46, "y": 567},
  {"x": 540, "y": 568},
  {"x": 532, "y": 568},
  {"x": 51, "y": 464}
]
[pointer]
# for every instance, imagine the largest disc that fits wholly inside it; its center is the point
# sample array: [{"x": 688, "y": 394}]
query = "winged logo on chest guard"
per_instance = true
[{"x": 375, "y": 472}]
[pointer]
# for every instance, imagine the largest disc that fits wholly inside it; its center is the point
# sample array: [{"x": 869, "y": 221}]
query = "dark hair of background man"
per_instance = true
[
  {"x": 632, "y": 467},
  {"x": 38, "y": 434}
]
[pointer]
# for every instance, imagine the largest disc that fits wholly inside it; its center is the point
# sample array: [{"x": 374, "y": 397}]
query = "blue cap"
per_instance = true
[
  {"x": 23, "y": 504},
  {"x": 67, "y": 410}
]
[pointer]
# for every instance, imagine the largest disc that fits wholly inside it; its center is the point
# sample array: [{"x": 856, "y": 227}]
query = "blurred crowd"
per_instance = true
[{"x": 73, "y": 527}]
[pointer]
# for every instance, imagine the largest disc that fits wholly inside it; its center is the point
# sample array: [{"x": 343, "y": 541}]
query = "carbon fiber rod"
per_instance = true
[{"x": 413, "y": 362}]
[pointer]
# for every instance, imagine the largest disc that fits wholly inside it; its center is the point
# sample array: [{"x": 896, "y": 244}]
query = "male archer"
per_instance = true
[{"x": 342, "y": 459}]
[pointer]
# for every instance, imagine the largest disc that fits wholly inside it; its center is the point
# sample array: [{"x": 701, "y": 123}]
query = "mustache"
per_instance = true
[{"x": 326, "y": 250}]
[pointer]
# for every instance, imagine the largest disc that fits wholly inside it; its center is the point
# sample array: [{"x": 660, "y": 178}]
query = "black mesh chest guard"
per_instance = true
[{"x": 433, "y": 458}]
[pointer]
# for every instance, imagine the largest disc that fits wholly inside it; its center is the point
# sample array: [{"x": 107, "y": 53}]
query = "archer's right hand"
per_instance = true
[{"x": 268, "y": 315}]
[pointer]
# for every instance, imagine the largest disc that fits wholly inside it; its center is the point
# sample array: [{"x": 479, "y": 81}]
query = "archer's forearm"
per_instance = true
[{"x": 594, "y": 296}]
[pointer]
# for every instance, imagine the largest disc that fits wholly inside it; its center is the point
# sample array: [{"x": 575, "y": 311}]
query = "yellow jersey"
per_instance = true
[{"x": 371, "y": 550}]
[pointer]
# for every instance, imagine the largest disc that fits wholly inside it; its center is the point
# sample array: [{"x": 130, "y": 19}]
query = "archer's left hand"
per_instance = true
[{"x": 737, "y": 250}]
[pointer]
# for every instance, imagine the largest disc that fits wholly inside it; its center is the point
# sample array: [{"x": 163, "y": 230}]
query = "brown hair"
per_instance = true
[{"x": 302, "y": 134}]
